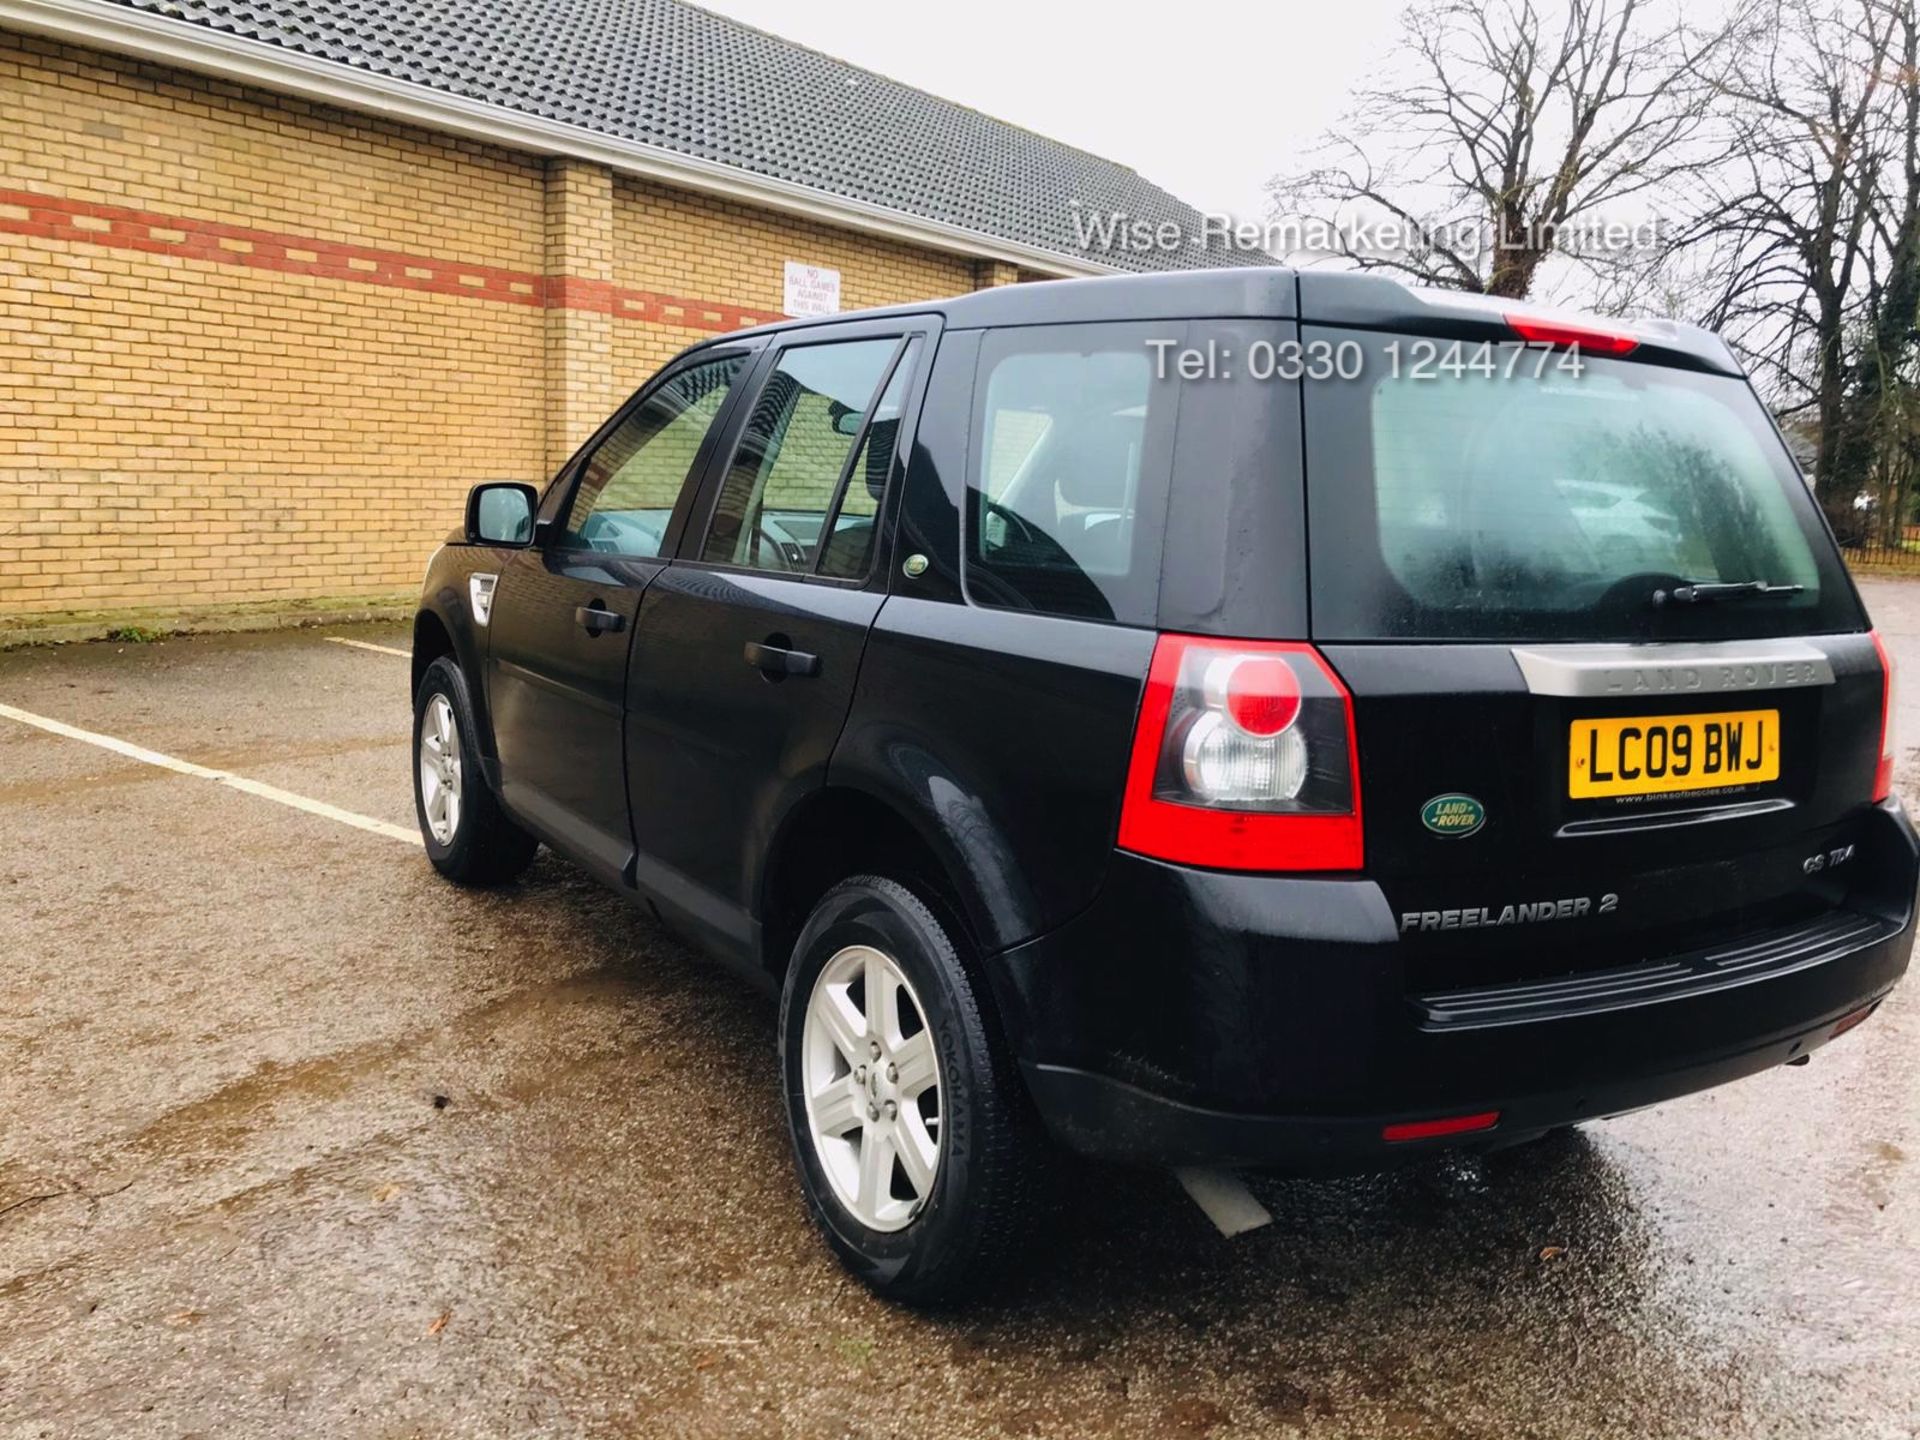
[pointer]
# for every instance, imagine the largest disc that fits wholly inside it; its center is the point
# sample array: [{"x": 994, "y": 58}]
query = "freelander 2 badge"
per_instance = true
[{"x": 1453, "y": 815}]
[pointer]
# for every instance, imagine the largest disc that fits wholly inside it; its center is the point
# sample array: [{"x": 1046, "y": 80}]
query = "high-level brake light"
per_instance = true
[{"x": 1541, "y": 330}]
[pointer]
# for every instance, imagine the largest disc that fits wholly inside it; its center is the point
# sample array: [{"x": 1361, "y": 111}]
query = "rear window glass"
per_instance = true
[
  {"x": 1537, "y": 502},
  {"x": 1067, "y": 489}
]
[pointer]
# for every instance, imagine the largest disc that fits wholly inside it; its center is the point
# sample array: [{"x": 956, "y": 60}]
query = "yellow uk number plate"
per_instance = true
[{"x": 1662, "y": 754}]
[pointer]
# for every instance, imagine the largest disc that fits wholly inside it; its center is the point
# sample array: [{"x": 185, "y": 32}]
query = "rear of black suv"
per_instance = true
[
  {"x": 1261, "y": 719},
  {"x": 1529, "y": 762}
]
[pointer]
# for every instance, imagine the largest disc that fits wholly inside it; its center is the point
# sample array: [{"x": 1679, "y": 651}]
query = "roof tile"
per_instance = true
[{"x": 668, "y": 74}]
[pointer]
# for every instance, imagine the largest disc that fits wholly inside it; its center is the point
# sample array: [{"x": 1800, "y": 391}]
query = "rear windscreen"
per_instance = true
[{"x": 1538, "y": 496}]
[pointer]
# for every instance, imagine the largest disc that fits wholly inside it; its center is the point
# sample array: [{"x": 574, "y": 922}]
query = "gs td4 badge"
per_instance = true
[{"x": 1453, "y": 815}]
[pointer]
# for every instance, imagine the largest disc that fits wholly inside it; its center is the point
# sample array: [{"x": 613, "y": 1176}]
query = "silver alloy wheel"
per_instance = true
[
  {"x": 440, "y": 770},
  {"x": 871, "y": 1078}
]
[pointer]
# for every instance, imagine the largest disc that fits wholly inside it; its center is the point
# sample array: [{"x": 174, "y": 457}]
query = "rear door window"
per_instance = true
[
  {"x": 853, "y": 522},
  {"x": 1541, "y": 501},
  {"x": 785, "y": 480}
]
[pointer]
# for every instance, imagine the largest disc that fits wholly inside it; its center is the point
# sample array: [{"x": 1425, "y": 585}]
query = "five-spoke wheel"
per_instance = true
[
  {"x": 919, "y": 1155},
  {"x": 467, "y": 835},
  {"x": 872, "y": 1084},
  {"x": 440, "y": 769}
]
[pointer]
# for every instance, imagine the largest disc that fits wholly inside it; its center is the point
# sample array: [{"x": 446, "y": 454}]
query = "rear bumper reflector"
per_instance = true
[
  {"x": 1449, "y": 1125},
  {"x": 1847, "y": 1022}
]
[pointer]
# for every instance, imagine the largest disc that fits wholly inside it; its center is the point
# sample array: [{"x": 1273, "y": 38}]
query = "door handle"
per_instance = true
[
  {"x": 777, "y": 662},
  {"x": 596, "y": 621}
]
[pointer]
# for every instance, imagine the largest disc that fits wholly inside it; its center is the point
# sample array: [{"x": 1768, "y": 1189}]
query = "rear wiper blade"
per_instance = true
[{"x": 1692, "y": 592}]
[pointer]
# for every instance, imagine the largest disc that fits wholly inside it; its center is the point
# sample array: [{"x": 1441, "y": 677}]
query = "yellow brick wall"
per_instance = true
[
  {"x": 581, "y": 386},
  {"x": 91, "y": 126},
  {"x": 682, "y": 244},
  {"x": 194, "y": 428}
]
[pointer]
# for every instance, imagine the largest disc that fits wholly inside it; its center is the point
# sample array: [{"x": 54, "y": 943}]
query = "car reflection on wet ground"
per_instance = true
[{"x": 295, "y": 1138}]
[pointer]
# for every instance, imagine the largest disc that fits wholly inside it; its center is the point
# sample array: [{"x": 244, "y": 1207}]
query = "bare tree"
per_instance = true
[
  {"x": 1809, "y": 240},
  {"x": 1502, "y": 129},
  {"x": 1872, "y": 427}
]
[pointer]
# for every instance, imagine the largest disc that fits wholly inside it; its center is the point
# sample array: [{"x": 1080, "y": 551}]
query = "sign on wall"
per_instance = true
[{"x": 811, "y": 290}]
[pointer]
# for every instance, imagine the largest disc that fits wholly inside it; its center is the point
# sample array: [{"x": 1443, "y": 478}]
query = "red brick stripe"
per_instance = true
[{"x": 53, "y": 218}]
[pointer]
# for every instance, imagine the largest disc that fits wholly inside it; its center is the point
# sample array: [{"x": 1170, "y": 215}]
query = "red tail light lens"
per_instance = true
[
  {"x": 1883, "y": 772},
  {"x": 1244, "y": 759},
  {"x": 1543, "y": 331},
  {"x": 1258, "y": 692}
]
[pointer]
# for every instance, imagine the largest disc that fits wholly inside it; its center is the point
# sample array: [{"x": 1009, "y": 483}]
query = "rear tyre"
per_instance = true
[
  {"x": 918, "y": 1154},
  {"x": 468, "y": 837}
]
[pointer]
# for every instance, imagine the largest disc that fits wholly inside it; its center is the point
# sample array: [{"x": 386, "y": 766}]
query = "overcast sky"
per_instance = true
[{"x": 1208, "y": 108}]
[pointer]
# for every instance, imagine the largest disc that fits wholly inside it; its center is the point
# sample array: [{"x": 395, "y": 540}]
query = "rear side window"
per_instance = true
[
  {"x": 1068, "y": 475},
  {"x": 1539, "y": 503}
]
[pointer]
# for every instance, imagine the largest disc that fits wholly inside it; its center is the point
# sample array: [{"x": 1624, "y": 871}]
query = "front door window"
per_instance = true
[{"x": 633, "y": 478}]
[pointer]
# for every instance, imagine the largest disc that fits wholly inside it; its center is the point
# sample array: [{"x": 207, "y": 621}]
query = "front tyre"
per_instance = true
[
  {"x": 468, "y": 837},
  {"x": 920, "y": 1161}
]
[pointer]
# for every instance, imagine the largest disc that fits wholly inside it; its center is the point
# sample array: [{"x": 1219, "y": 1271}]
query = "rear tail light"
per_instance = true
[
  {"x": 1244, "y": 759},
  {"x": 1883, "y": 772},
  {"x": 1545, "y": 330}
]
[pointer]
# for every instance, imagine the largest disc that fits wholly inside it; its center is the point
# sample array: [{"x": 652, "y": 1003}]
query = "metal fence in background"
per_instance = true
[{"x": 1884, "y": 552}]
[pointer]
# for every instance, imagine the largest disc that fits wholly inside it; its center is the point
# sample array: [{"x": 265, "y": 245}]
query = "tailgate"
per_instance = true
[
  {"x": 1615, "y": 696},
  {"x": 1515, "y": 873}
]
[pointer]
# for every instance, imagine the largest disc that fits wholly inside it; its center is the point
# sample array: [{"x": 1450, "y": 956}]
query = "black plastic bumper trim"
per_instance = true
[{"x": 1763, "y": 955}]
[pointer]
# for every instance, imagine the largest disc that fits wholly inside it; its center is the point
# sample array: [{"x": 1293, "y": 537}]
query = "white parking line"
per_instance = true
[
  {"x": 367, "y": 645},
  {"x": 222, "y": 777}
]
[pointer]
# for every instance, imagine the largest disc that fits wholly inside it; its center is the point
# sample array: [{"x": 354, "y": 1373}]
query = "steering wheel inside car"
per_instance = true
[
  {"x": 776, "y": 550},
  {"x": 1027, "y": 533}
]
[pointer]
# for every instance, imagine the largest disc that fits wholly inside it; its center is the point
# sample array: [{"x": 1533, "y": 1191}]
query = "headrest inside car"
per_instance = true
[{"x": 1092, "y": 461}]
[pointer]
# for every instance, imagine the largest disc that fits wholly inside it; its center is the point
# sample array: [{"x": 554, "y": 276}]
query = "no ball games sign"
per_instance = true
[{"x": 811, "y": 290}]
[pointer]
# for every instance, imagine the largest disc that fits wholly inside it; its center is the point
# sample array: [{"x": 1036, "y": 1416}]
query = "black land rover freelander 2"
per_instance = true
[{"x": 1236, "y": 718}]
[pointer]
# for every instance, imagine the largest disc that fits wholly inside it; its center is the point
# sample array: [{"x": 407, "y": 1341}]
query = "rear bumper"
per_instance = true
[{"x": 1195, "y": 1017}]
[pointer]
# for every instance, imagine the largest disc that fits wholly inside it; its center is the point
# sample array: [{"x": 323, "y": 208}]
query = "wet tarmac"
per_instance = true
[{"x": 296, "y": 1139}]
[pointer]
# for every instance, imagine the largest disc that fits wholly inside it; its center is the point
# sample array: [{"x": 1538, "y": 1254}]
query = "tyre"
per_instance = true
[
  {"x": 468, "y": 837},
  {"x": 918, "y": 1153}
]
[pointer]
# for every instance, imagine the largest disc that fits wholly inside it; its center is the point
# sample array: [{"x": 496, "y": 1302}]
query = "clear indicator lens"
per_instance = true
[{"x": 1224, "y": 765}]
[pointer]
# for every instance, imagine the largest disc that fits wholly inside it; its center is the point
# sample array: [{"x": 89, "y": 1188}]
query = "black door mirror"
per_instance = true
[{"x": 501, "y": 514}]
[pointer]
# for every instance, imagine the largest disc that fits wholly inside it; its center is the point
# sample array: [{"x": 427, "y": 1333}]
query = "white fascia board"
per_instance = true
[{"x": 146, "y": 36}]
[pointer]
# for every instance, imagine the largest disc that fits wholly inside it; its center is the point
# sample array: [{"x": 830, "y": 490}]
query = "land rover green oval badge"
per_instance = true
[{"x": 1453, "y": 815}]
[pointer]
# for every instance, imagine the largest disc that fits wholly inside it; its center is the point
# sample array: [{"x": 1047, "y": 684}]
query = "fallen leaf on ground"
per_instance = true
[{"x": 854, "y": 1351}]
